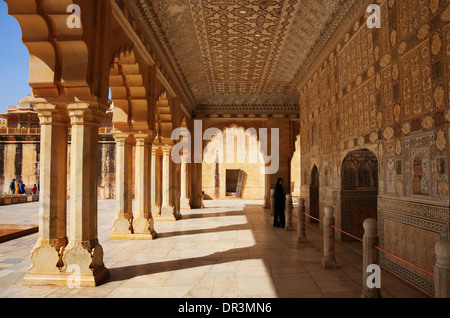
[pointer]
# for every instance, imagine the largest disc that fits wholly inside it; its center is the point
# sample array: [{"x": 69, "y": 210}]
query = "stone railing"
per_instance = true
[
  {"x": 20, "y": 131},
  {"x": 370, "y": 252},
  {"x": 37, "y": 131},
  {"x": 18, "y": 198}
]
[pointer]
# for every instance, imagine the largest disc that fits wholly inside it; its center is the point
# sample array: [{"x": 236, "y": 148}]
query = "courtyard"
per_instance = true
[{"x": 228, "y": 249}]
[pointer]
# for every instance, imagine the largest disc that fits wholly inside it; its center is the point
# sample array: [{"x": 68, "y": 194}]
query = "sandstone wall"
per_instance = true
[
  {"x": 19, "y": 159},
  {"x": 256, "y": 183},
  {"x": 20, "y": 155}
]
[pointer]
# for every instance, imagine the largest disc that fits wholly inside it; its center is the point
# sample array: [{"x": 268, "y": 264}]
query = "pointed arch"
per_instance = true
[
  {"x": 128, "y": 92},
  {"x": 233, "y": 163},
  {"x": 63, "y": 61},
  {"x": 359, "y": 191},
  {"x": 163, "y": 114}
]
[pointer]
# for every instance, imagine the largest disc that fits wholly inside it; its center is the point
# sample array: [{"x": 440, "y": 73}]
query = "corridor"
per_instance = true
[{"x": 229, "y": 249}]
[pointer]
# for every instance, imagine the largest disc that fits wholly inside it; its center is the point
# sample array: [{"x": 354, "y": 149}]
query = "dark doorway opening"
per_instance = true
[
  {"x": 314, "y": 205},
  {"x": 234, "y": 178},
  {"x": 359, "y": 191}
]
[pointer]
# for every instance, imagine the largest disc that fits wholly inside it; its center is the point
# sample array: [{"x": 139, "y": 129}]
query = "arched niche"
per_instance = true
[
  {"x": 314, "y": 197},
  {"x": 128, "y": 92},
  {"x": 164, "y": 118},
  {"x": 359, "y": 191}
]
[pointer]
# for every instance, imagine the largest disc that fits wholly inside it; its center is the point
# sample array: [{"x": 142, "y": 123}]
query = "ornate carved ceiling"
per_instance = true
[{"x": 237, "y": 52}]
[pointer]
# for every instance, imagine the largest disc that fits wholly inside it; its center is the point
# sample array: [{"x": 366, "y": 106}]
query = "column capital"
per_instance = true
[
  {"x": 86, "y": 112},
  {"x": 144, "y": 137},
  {"x": 51, "y": 113},
  {"x": 167, "y": 149},
  {"x": 121, "y": 137},
  {"x": 156, "y": 150}
]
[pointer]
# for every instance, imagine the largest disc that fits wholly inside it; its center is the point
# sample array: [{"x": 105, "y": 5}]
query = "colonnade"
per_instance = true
[
  {"x": 72, "y": 72},
  {"x": 156, "y": 191},
  {"x": 59, "y": 252}
]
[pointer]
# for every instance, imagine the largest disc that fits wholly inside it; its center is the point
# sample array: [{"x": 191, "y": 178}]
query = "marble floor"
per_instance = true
[{"x": 229, "y": 249}]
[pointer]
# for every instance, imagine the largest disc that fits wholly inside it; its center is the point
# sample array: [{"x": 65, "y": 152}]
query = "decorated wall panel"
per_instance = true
[{"x": 386, "y": 91}]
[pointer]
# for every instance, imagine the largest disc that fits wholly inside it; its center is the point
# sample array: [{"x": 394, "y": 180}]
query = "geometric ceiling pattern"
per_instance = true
[{"x": 238, "y": 52}]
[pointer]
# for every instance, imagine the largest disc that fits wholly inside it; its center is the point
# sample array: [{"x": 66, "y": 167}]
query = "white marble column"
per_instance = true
[
  {"x": 156, "y": 182},
  {"x": 143, "y": 224},
  {"x": 184, "y": 200},
  {"x": 122, "y": 226},
  {"x": 84, "y": 254},
  {"x": 167, "y": 208},
  {"x": 45, "y": 262}
]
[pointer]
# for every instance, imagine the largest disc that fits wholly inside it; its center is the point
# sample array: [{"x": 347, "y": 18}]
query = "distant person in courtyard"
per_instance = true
[
  {"x": 22, "y": 188},
  {"x": 34, "y": 189},
  {"x": 12, "y": 186},
  {"x": 17, "y": 187},
  {"x": 278, "y": 215}
]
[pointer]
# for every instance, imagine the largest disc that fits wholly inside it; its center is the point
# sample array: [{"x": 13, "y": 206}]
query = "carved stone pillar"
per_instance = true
[
  {"x": 370, "y": 257},
  {"x": 329, "y": 259},
  {"x": 168, "y": 211},
  {"x": 46, "y": 254},
  {"x": 83, "y": 253},
  {"x": 143, "y": 220},
  {"x": 156, "y": 182},
  {"x": 288, "y": 214},
  {"x": 124, "y": 215},
  {"x": 184, "y": 201},
  {"x": 301, "y": 227}
]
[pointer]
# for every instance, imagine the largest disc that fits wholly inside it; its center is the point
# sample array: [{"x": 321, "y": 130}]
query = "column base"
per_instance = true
[
  {"x": 302, "y": 239},
  {"x": 329, "y": 263},
  {"x": 156, "y": 211},
  {"x": 84, "y": 264},
  {"x": 143, "y": 228},
  {"x": 68, "y": 279},
  {"x": 45, "y": 262},
  {"x": 121, "y": 226},
  {"x": 59, "y": 279},
  {"x": 184, "y": 204},
  {"x": 168, "y": 213},
  {"x": 136, "y": 237},
  {"x": 289, "y": 227},
  {"x": 77, "y": 274}
]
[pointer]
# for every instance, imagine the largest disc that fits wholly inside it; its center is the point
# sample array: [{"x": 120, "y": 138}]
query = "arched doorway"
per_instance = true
[
  {"x": 359, "y": 191},
  {"x": 233, "y": 166},
  {"x": 314, "y": 205}
]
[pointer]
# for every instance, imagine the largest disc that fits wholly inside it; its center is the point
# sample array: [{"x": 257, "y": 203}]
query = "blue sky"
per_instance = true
[{"x": 15, "y": 61}]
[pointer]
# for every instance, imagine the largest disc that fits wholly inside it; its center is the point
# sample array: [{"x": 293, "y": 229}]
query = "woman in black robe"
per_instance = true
[{"x": 278, "y": 215}]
